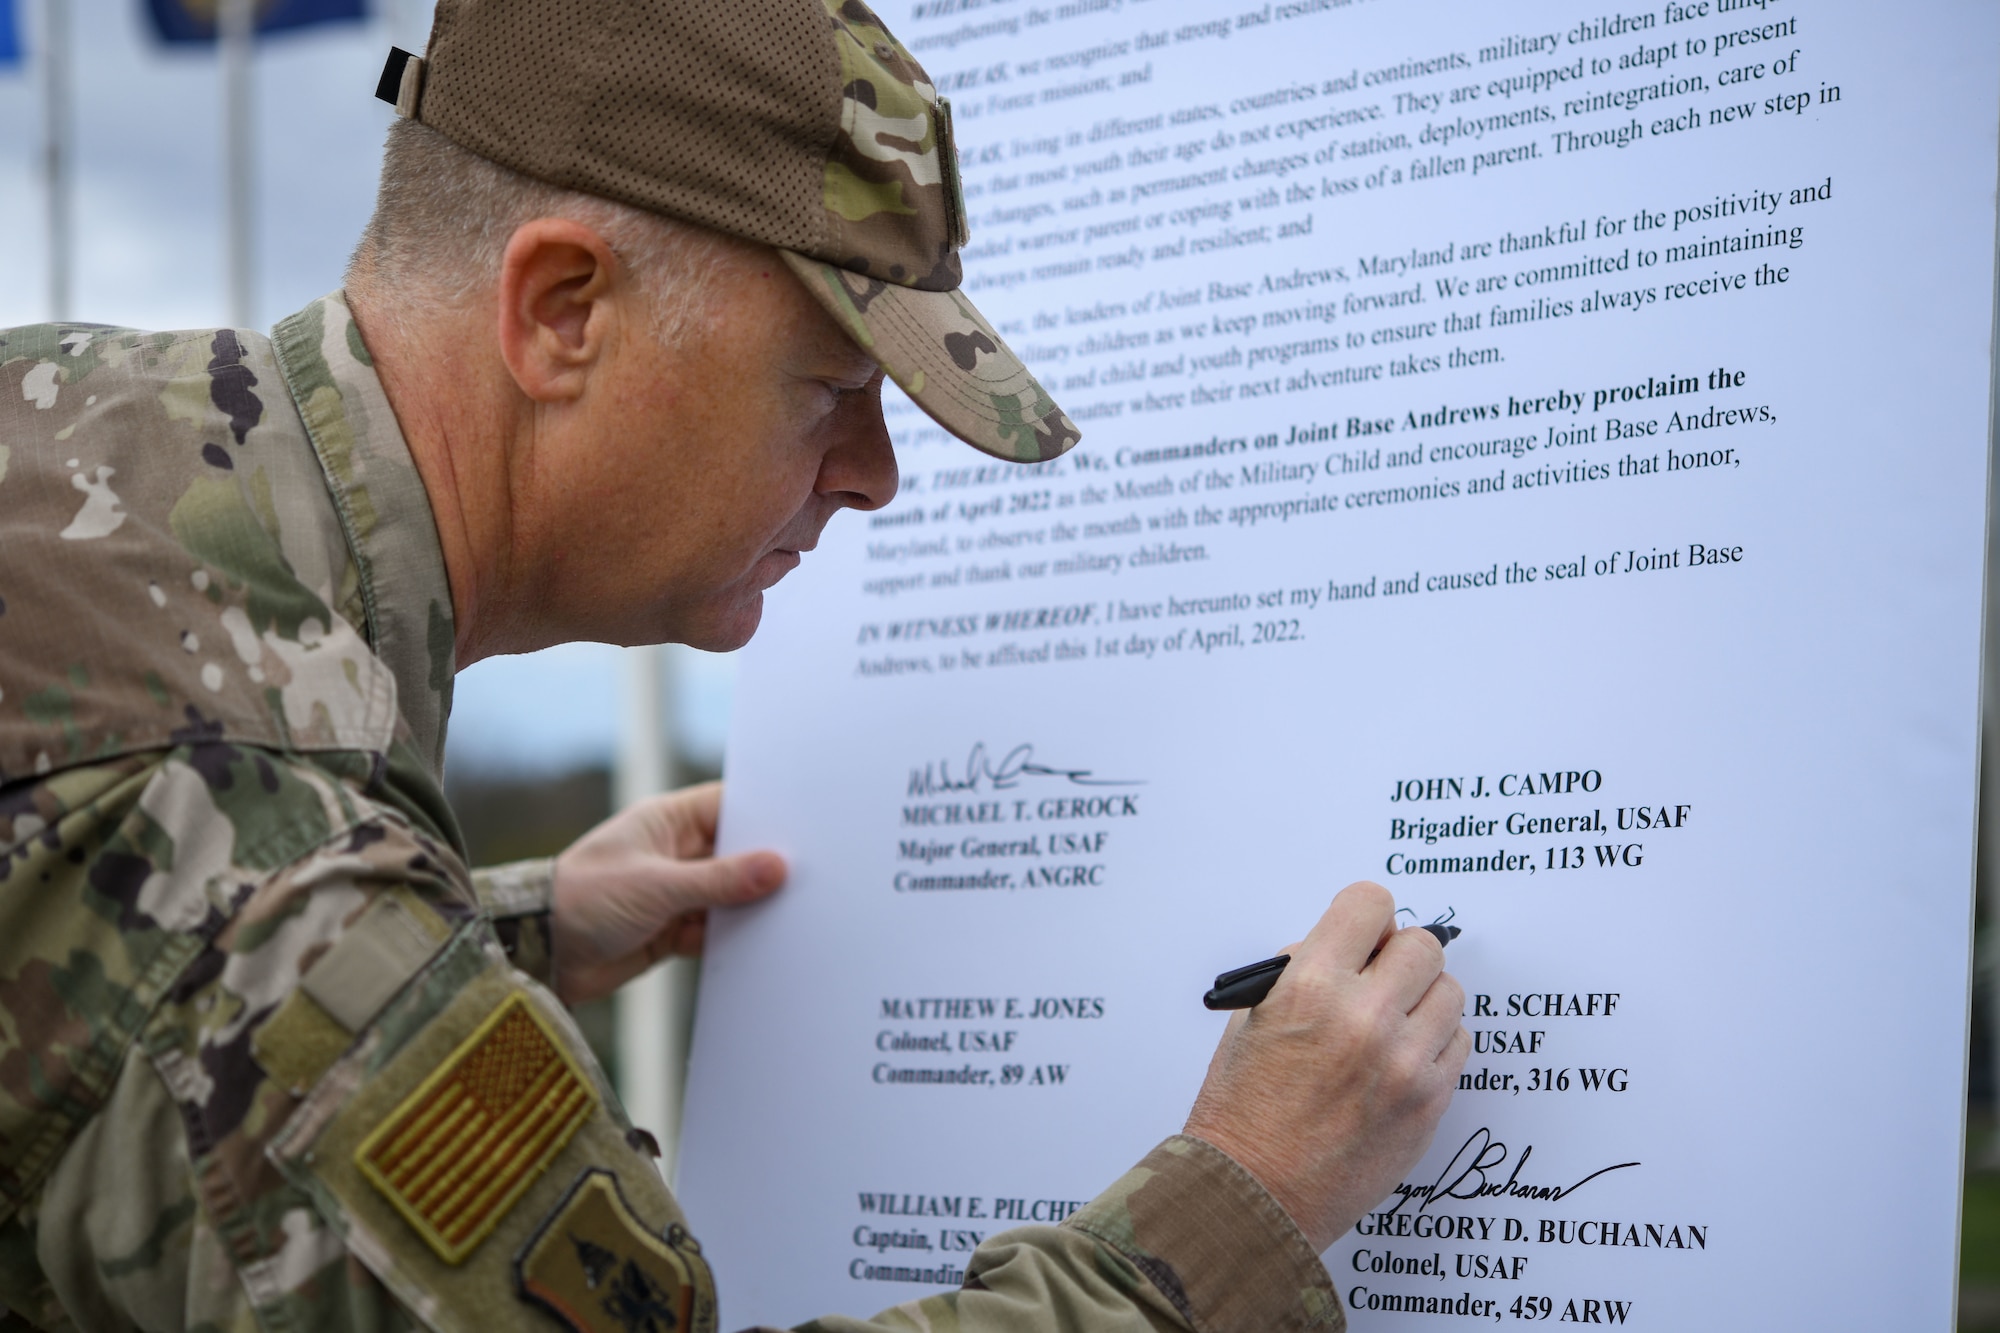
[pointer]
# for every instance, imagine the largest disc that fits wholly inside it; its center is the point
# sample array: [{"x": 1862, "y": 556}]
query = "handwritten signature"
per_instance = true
[
  {"x": 1005, "y": 774},
  {"x": 1469, "y": 1175}
]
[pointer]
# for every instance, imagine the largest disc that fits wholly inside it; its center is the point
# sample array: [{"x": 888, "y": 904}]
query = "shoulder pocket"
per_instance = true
[{"x": 468, "y": 1115}]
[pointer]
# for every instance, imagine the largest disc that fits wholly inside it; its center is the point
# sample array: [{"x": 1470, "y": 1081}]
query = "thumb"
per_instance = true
[
  {"x": 619, "y": 904},
  {"x": 719, "y": 881},
  {"x": 606, "y": 911}
]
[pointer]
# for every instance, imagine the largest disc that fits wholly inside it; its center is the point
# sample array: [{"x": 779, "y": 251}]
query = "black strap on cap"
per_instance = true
[
  {"x": 390, "y": 85},
  {"x": 402, "y": 81}
]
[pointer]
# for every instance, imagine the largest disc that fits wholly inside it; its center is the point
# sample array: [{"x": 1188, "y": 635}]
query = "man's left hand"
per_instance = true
[{"x": 637, "y": 889}]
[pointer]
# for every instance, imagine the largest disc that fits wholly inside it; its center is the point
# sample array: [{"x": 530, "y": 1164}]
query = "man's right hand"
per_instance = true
[
  {"x": 637, "y": 889},
  {"x": 1330, "y": 1090}
]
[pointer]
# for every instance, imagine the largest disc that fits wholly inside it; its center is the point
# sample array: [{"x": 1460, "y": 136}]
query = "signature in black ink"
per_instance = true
[
  {"x": 981, "y": 770},
  {"x": 1469, "y": 1175}
]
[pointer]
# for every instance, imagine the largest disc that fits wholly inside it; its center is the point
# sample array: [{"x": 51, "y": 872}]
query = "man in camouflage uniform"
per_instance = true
[{"x": 270, "y": 1056}]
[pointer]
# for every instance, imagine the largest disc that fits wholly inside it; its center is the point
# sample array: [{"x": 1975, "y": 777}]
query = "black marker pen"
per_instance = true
[{"x": 1245, "y": 987}]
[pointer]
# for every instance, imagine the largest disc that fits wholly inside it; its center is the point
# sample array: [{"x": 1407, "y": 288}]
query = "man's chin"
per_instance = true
[
  {"x": 729, "y": 629},
  {"x": 730, "y": 616}
]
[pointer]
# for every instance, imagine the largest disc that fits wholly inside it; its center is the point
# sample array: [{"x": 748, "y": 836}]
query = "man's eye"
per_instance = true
[{"x": 842, "y": 392}]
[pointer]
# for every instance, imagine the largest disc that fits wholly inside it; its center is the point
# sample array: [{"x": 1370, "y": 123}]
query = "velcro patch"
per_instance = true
[
  {"x": 374, "y": 958},
  {"x": 456, "y": 1153},
  {"x": 597, "y": 1268}
]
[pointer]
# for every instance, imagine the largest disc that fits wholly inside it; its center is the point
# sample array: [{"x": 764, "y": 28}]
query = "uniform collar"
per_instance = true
[{"x": 384, "y": 510}]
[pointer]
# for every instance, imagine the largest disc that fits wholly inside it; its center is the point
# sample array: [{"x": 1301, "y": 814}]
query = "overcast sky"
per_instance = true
[{"x": 149, "y": 253}]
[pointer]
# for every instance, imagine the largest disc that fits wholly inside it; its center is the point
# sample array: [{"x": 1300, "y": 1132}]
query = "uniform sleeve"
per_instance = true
[
  {"x": 166, "y": 1210},
  {"x": 520, "y": 896},
  {"x": 351, "y": 1111},
  {"x": 125, "y": 1242},
  {"x": 1187, "y": 1239}
]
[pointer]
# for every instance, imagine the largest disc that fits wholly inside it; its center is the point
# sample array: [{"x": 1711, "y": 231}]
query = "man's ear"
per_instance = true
[{"x": 559, "y": 291}]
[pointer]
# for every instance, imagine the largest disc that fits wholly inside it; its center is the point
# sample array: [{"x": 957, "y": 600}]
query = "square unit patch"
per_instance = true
[
  {"x": 457, "y": 1152},
  {"x": 593, "y": 1265}
]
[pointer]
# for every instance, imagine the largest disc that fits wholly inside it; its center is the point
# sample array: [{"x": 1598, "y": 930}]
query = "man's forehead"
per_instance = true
[{"x": 818, "y": 332}]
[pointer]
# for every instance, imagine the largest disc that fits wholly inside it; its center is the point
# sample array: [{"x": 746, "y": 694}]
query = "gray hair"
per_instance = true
[{"x": 443, "y": 216}]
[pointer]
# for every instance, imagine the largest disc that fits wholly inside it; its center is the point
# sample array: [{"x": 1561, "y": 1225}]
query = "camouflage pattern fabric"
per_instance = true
[
  {"x": 895, "y": 207},
  {"x": 1185, "y": 1239},
  {"x": 200, "y": 538},
  {"x": 262, "y": 1035},
  {"x": 941, "y": 351},
  {"x": 896, "y": 217}
]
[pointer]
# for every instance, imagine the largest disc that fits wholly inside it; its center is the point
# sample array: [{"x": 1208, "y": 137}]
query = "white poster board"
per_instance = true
[{"x": 1535, "y": 457}]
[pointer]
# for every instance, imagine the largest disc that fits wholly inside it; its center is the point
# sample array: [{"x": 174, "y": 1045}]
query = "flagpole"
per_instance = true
[
  {"x": 654, "y": 1012},
  {"x": 236, "y": 33},
  {"x": 56, "y": 152}
]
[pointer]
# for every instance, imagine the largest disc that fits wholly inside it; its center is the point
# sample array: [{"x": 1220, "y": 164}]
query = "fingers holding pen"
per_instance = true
[
  {"x": 1357, "y": 936},
  {"x": 1400, "y": 975},
  {"x": 1409, "y": 965},
  {"x": 1360, "y": 920},
  {"x": 1410, "y": 1002},
  {"x": 1356, "y": 949}
]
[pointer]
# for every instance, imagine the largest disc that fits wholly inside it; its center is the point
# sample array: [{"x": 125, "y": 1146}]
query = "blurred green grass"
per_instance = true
[
  {"x": 1979, "y": 1239},
  {"x": 1979, "y": 1249}
]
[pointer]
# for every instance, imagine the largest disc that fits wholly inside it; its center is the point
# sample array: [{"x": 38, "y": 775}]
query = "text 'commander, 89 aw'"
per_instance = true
[{"x": 608, "y": 359}]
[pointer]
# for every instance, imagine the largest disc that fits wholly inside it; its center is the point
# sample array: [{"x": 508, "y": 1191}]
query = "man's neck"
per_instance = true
[{"x": 445, "y": 400}]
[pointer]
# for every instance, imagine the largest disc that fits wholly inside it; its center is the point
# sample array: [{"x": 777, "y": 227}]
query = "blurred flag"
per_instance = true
[
  {"x": 194, "y": 20},
  {"x": 10, "y": 37}
]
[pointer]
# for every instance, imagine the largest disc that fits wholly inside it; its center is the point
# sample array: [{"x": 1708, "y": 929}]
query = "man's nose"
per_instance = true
[{"x": 859, "y": 472}]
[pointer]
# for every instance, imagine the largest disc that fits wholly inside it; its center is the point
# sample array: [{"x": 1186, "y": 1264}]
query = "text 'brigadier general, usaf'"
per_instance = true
[{"x": 608, "y": 359}]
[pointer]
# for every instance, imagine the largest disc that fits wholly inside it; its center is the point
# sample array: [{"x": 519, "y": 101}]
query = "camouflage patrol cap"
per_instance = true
[{"x": 802, "y": 124}]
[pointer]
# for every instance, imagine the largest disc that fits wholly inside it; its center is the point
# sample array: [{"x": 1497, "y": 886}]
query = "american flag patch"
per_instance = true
[{"x": 456, "y": 1153}]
